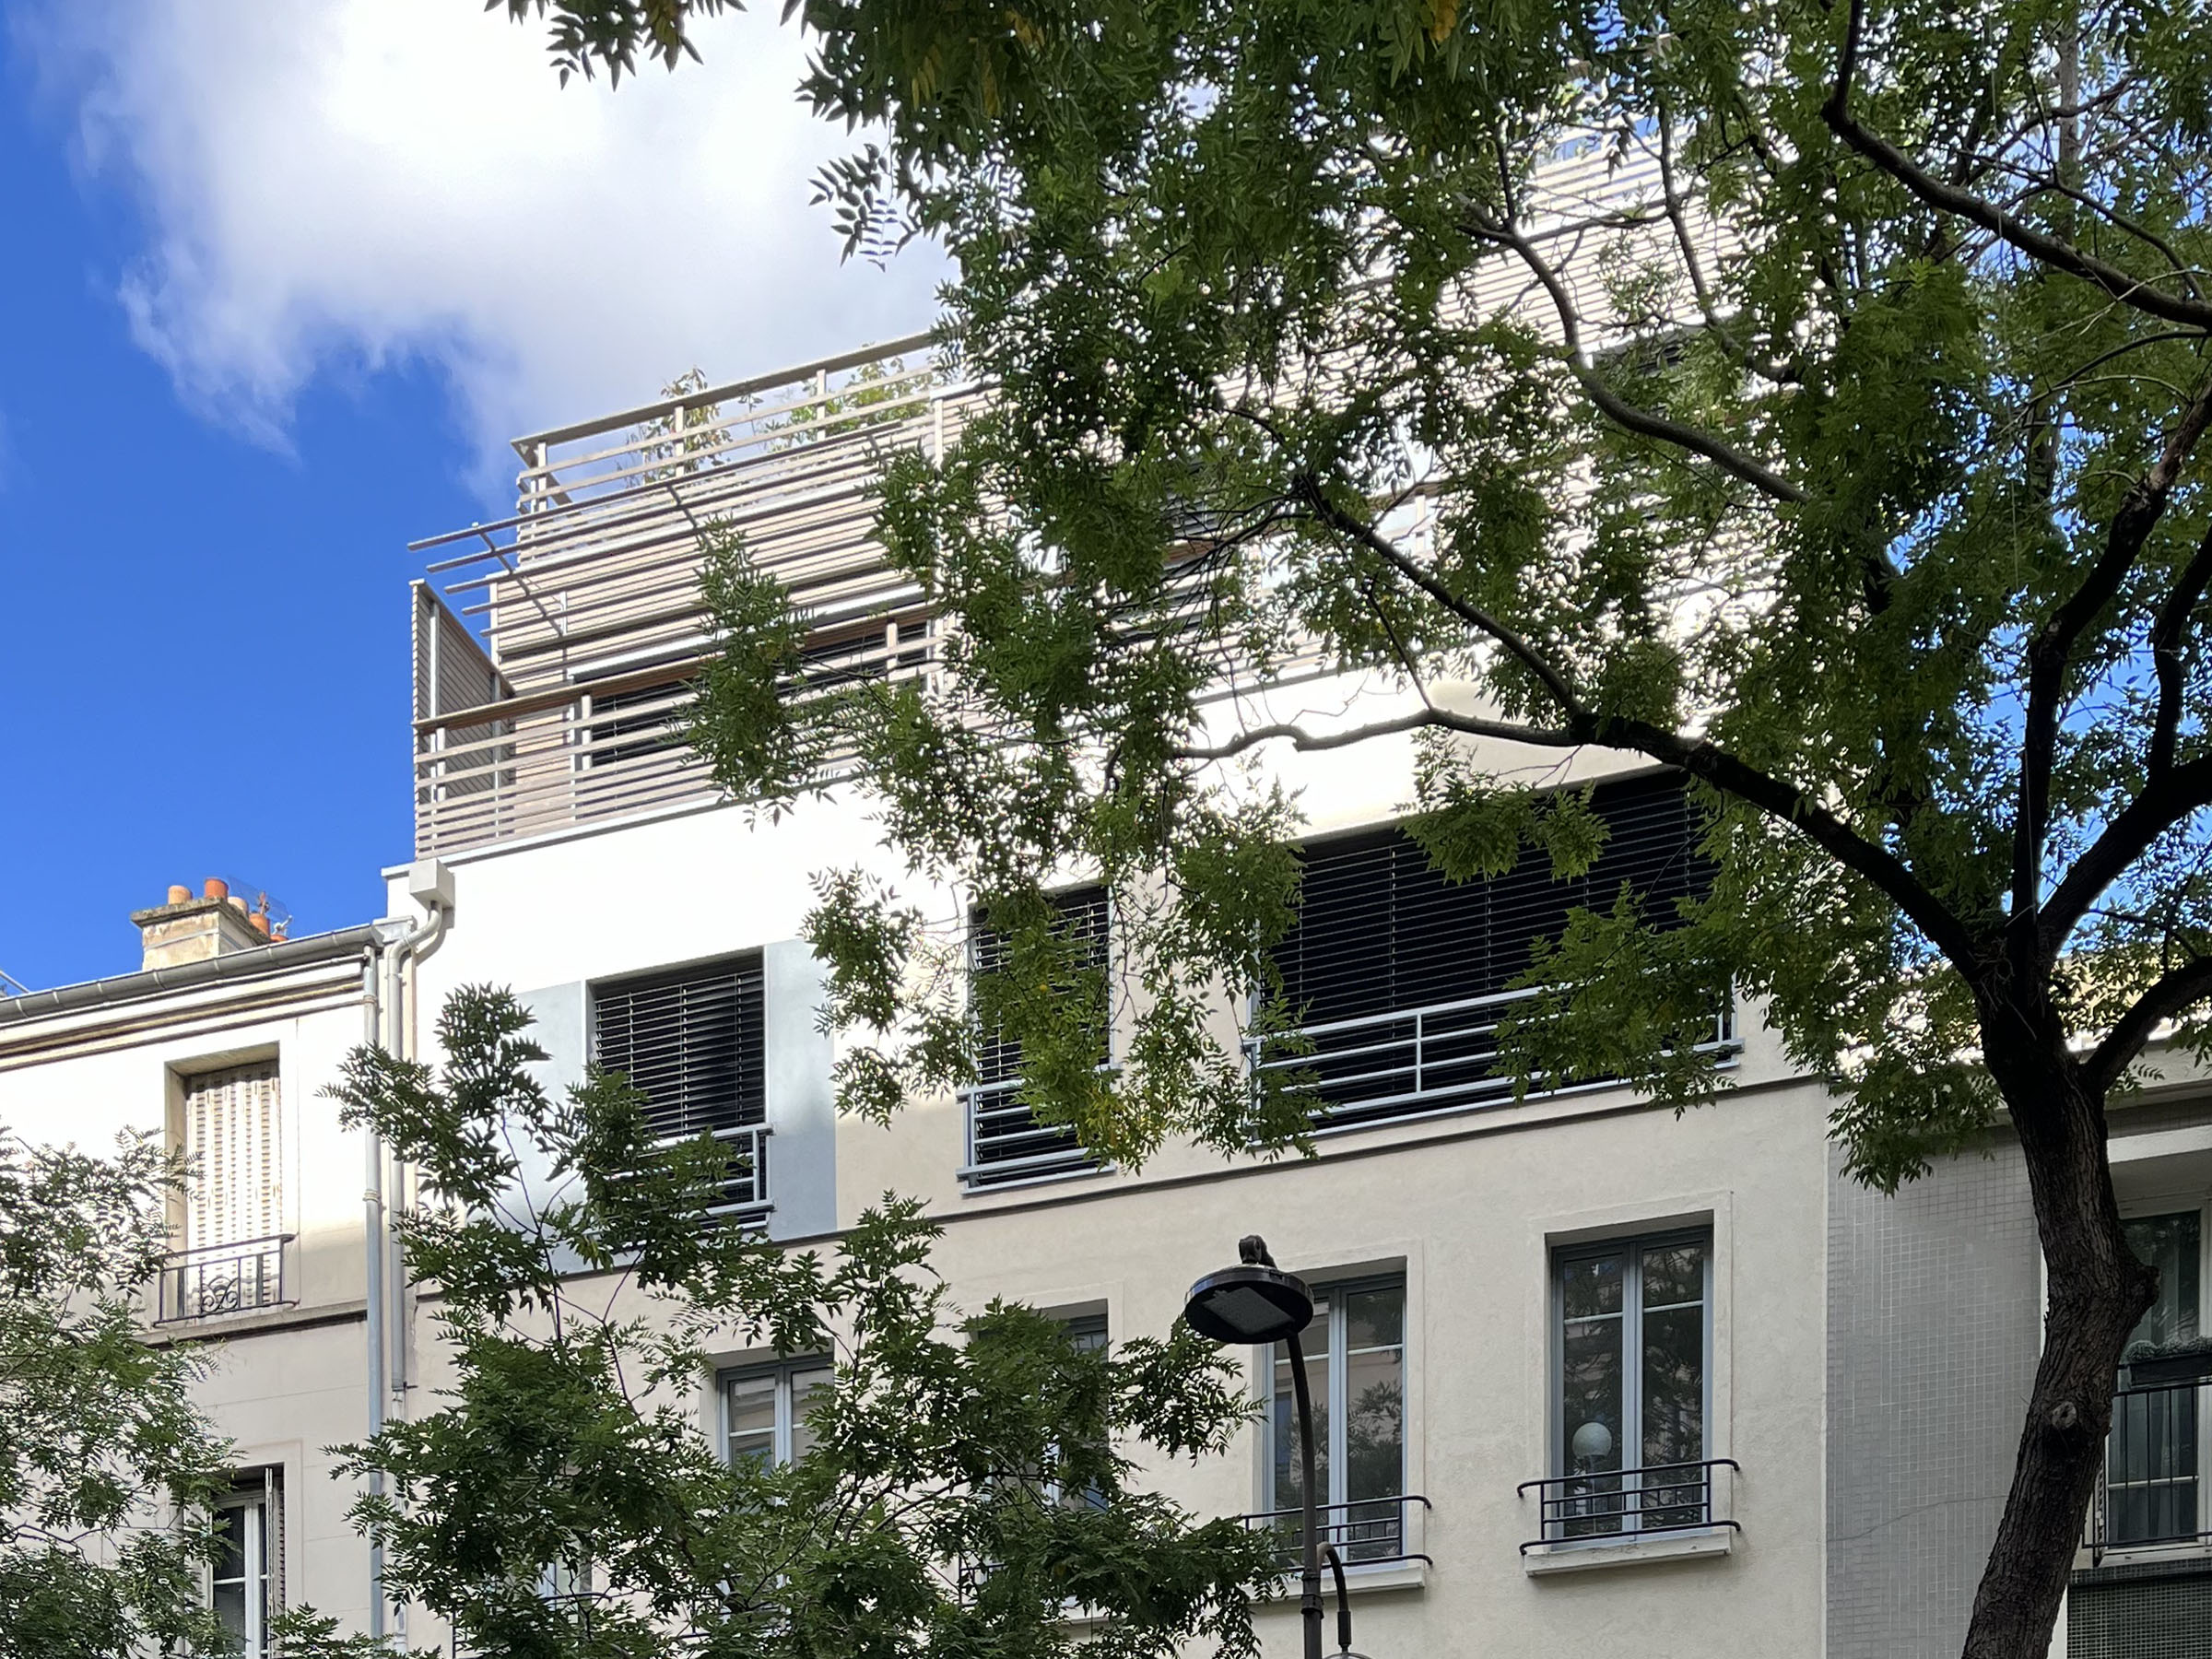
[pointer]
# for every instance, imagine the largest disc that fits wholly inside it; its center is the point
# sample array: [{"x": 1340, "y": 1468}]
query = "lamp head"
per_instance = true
[{"x": 1251, "y": 1305}]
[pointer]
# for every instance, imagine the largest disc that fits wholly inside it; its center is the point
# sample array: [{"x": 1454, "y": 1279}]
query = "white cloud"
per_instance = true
[{"x": 343, "y": 184}]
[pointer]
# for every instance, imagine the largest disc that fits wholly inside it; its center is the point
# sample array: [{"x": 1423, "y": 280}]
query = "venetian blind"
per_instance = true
[
  {"x": 693, "y": 1043},
  {"x": 233, "y": 1137},
  {"x": 1380, "y": 930}
]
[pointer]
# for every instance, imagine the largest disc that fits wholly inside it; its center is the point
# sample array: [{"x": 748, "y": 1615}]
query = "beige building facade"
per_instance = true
[{"x": 1596, "y": 1378}]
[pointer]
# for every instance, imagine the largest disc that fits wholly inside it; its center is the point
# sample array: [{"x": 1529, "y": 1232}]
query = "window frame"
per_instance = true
[
  {"x": 1334, "y": 1292},
  {"x": 748, "y": 1115},
  {"x": 261, "y": 1499},
  {"x": 782, "y": 1372},
  {"x": 2198, "y": 1204},
  {"x": 1635, "y": 1242},
  {"x": 978, "y": 1174}
]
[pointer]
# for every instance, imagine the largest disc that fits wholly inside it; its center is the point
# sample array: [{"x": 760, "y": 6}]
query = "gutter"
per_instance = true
[{"x": 155, "y": 982}]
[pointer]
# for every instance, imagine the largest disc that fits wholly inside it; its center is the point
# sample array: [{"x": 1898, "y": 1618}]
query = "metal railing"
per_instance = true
[
  {"x": 1006, "y": 1142},
  {"x": 1413, "y": 1060},
  {"x": 1363, "y": 1530},
  {"x": 1625, "y": 1503},
  {"x": 744, "y": 1197},
  {"x": 2150, "y": 1492},
  {"x": 217, "y": 1279}
]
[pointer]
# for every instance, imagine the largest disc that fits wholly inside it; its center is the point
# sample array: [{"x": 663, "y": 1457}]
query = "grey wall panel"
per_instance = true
[
  {"x": 1934, "y": 1305},
  {"x": 562, "y": 1029},
  {"x": 802, "y": 1106}
]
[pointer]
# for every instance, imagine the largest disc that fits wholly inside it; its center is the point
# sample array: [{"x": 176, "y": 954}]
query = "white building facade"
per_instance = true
[{"x": 1595, "y": 1378}]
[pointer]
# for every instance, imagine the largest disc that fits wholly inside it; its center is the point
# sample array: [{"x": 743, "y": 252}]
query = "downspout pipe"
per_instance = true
[{"x": 430, "y": 885}]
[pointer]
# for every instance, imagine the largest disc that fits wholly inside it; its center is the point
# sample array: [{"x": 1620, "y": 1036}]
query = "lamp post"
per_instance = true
[{"x": 1258, "y": 1304}]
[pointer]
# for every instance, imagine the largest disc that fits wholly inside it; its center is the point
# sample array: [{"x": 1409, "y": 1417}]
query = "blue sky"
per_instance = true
[{"x": 278, "y": 291}]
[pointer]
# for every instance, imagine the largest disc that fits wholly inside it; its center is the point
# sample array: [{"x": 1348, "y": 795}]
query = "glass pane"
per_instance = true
[
  {"x": 2173, "y": 1246},
  {"x": 1374, "y": 1318},
  {"x": 1674, "y": 1273},
  {"x": 1591, "y": 1287},
  {"x": 750, "y": 1408},
  {"x": 1674, "y": 1386},
  {"x": 806, "y": 1386}
]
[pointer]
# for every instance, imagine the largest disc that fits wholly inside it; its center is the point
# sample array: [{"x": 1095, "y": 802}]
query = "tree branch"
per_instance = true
[
  {"x": 2164, "y": 802},
  {"x": 1307, "y": 741},
  {"x": 2053, "y": 647},
  {"x": 2166, "y": 656},
  {"x": 2191, "y": 982},
  {"x": 1629, "y": 416},
  {"x": 2123, "y": 286},
  {"x": 1700, "y": 756}
]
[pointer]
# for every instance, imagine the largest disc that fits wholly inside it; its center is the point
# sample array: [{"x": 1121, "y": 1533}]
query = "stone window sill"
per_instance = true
[{"x": 1627, "y": 1552}]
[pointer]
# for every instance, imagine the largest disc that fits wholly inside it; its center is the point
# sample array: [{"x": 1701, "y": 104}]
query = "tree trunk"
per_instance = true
[{"x": 2097, "y": 1290}]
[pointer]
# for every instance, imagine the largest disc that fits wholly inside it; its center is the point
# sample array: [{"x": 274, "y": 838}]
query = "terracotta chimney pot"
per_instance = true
[
  {"x": 214, "y": 886},
  {"x": 179, "y": 894}
]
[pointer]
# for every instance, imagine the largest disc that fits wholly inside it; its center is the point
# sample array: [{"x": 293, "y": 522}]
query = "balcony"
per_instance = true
[
  {"x": 554, "y": 648},
  {"x": 1410, "y": 1061},
  {"x": 1624, "y": 1506},
  {"x": 217, "y": 1281},
  {"x": 1007, "y": 1145},
  {"x": 2150, "y": 1495},
  {"x": 1366, "y": 1532}
]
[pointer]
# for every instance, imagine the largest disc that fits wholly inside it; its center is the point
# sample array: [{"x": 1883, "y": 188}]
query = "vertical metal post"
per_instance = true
[{"x": 1308, "y": 1600}]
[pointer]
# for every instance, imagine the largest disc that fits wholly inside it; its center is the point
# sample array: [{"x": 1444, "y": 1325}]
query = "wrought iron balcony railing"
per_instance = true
[
  {"x": 1625, "y": 1503},
  {"x": 1364, "y": 1531},
  {"x": 2150, "y": 1495},
  {"x": 217, "y": 1280}
]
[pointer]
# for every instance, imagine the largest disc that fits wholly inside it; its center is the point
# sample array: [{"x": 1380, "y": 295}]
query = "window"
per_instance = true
[
  {"x": 632, "y": 723},
  {"x": 2152, "y": 1470},
  {"x": 1006, "y": 1142},
  {"x": 1634, "y": 1334},
  {"x": 694, "y": 1043},
  {"x": 244, "y": 1582},
  {"x": 764, "y": 1411},
  {"x": 232, "y": 1259},
  {"x": 1356, "y": 1371},
  {"x": 1399, "y": 976}
]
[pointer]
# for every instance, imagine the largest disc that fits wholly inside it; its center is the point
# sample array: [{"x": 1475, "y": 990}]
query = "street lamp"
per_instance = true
[{"x": 1258, "y": 1304}]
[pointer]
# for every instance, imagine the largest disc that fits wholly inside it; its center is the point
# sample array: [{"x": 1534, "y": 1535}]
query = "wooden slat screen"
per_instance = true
[{"x": 233, "y": 1133}]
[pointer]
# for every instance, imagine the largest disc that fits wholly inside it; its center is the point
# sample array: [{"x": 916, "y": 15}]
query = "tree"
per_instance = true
[
  {"x": 967, "y": 1481},
  {"x": 1832, "y": 434},
  {"x": 106, "y": 1465}
]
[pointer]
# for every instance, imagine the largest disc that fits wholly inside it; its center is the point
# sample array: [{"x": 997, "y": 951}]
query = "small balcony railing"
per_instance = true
[
  {"x": 1625, "y": 1503},
  {"x": 1408, "y": 1061},
  {"x": 217, "y": 1280},
  {"x": 2150, "y": 1494},
  {"x": 1006, "y": 1143},
  {"x": 1364, "y": 1531},
  {"x": 743, "y": 1198}
]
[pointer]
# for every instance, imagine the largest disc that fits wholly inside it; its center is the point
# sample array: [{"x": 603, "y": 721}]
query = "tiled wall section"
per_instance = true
[{"x": 1934, "y": 1304}]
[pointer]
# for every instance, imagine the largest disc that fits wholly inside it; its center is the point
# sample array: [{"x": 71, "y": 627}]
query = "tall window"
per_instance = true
[
  {"x": 1006, "y": 1141},
  {"x": 2152, "y": 1472},
  {"x": 764, "y": 1410},
  {"x": 233, "y": 1134},
  {"x": 1398, "y": 976},
  {"x": 245, "y": 1583},
  {"x": 694, "y": 1043},
  {"x": 1356, "y": 1370},
  {"x": 1634, "y": 1330}
]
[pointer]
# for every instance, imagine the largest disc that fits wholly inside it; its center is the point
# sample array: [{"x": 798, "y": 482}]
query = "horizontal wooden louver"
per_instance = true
[
  {"x": 1006, "y": 1141},
  {"x": 1388, "y": 952},
  {"x": 694, "y": 1044},
  {"x": 233, "y": 1134}
]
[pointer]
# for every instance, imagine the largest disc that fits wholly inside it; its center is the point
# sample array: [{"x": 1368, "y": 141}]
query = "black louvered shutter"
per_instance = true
[
  {"x": 1381, "y": 936},
  {"x": 1006, "y": 1141},
  {"x": 693, "y": 1043}
]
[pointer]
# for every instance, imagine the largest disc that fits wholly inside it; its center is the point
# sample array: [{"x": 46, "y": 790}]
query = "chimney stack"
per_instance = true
[{"x": 190, "y": 930}]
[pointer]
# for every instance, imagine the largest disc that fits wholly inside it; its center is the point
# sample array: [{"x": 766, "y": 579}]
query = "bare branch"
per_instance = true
[
  {"x": 1700, "y": 756},
  {"x": 2165, "y": 802},
  {"x": 2123, "y": 286},
  {"x": 2183, "y": 986},
  {"x": 2166, "y": 656},
  {"x": 1307, "y": 741},
  {"x": 1629, "y": 416},
  {"x": 2053, "y": 648}
]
